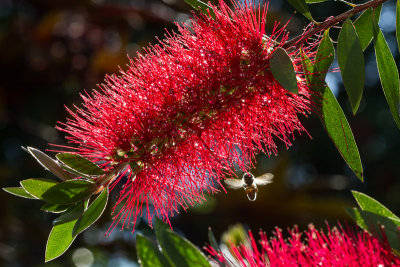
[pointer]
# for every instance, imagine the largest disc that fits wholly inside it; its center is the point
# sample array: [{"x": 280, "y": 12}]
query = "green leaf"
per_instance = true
[
  {"x": 92, "y": 214},
  {"x": 323, "y": 61},
  {"x": 398, "y": 23},
  {"x": 37, "y": 187},
  {"x": 282, "y": 68},
  {"x": 351, "y": 63},
  {"x": 388, "y": 72},
  {"x": 315, "y": 1},
  {"x": 213, "y": 241},
  {"x": 79, "y": 164},
  {"x": 330, "y": 112},
  {"x": 201, "y": 6},
  {"x": 302, "y": 7},
  {"x": 60, "y": 239},
  {"x": 69, "y": 192},
  {"x": 367, "y": 203},
  {"x": 376, "y": 224},
  {"x": 178, "y": 249},
  {"x": 48, "y": 163},
  {"x": 148, "y": 253},
  {"x": 18, "y": 191},
  {"x": 364, "y": 27},
  {"x": 72, "y": 213},
  {"x": 54, "y": 208}
]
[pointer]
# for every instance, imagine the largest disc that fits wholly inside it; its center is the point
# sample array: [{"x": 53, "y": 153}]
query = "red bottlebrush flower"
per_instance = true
[
  {"x": 336, "y": 247},
  {"x": 190, "y": 108}
]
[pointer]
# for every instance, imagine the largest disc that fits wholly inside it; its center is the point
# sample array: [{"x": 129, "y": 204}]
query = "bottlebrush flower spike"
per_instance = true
[
  {"x": 335, "y": 247},
  {"x": 188, "y": 109}
]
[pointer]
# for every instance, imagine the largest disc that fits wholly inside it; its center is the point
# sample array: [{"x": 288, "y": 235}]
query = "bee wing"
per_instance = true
[
  {"x": 234, "y": 183},
  {"x": 264, "y": 179}
]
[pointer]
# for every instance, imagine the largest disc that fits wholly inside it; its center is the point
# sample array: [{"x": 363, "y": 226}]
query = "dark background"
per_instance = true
[{"x": 50, "y": 51}]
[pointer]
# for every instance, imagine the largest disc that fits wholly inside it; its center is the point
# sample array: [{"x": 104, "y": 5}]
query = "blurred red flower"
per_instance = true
[
  {"x": 335, "y": 247},
  {"x": 190, "y": 108}
]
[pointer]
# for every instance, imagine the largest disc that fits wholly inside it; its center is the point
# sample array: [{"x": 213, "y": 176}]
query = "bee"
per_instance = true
[{"x": 249, "y": 183}]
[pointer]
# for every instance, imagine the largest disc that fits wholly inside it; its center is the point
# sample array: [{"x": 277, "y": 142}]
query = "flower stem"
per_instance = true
[{"x": 318, "y": 27}]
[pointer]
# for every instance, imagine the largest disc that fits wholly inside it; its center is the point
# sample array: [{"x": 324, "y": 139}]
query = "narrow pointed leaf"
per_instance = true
[
  {"x": 148, "y": 253},
  {"x": 302, "y": 7},
  {"x": 364, "y": 27},
  {"x": 92, "y": 214},
  {"x": 376, "y": 224},
  {"x": 330, "y": 112},
  {"x": 351, "y": 63},
  {"x": 388, "y": 72},
  {"x": 69, "y": 192},
  {"x": 315, "y": 1},
  {"x": 54, "y": 208},
  {"x": 37, "y": 187},
  {"x": 71, "y": 214},
  {"x": 59, "y": 240},
  {"x": 282, "y": 68},
  {"x": 79, "y": 164},
  {"x": 49, "y": 164},
  {"x": 323, "y": 61},
  {"x": 200, "y": 6},
  {"x": 398, "y": 23},
  {"x": 178, "y": 249},
  {"x": 367, "y": 203},
  {"x": 19, "y": 191}
]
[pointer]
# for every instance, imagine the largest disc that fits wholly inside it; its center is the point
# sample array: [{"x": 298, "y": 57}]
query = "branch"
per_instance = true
[{"x": 330, "y": 22}]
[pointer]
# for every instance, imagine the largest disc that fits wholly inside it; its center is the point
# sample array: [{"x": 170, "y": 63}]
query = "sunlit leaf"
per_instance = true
[
  {"x": 364, "y": 27},
  {"x": 72, "y": 213},
  {"x": 388, "y": 72},
  {"x": 351, "y": 63},
  {"x": 367, "y": 203},
  {"x": 79, "y": 164},
  {"x": 19, "y": 191},
  {"x": 69, "y": 192},
  {"x": 282, "y": 68},
  {"x": 37, "y": 187},
  {"x": 330, "y": 112},
  {"x": 178, "y": 249},
  {"x": 376, "y": 224},
  {"x": 48, "y": 163},
  {"x": 92, "y": 214},
  {"x": 54, "y": 208},
  {"x": 148, "y": 253},
  {"x": 60, "y": 239},
  {"x": 302, "y": 7}
]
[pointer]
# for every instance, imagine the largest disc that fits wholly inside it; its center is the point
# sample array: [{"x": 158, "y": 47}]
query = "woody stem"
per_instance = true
[{"x": 318, "y": 27}]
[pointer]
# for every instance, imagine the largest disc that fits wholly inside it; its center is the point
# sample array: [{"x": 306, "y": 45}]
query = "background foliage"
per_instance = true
[{"x": 51, "y": 51}]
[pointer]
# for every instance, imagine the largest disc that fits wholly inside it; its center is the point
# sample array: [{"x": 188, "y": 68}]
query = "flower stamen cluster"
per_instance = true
[{"x": 189, "y": 109}]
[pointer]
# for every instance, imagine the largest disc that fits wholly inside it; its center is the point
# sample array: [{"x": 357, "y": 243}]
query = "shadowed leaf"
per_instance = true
[
  {"x": 178, "y": 249},
  {"x": 282, "y": 68},
  {"x": 302, "y": 7},
  {"x": 351, "y": 63},
  {"x": 79, "y": 164},
  {"x": 69, "y": 192},
  {"x": 330, "y": 112},
  {"x": 92, "y": 214},
  {"x": 148, "y": 253},
  {"x": 48, "y": 163},
  {"x": 388, "y": 72}
]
